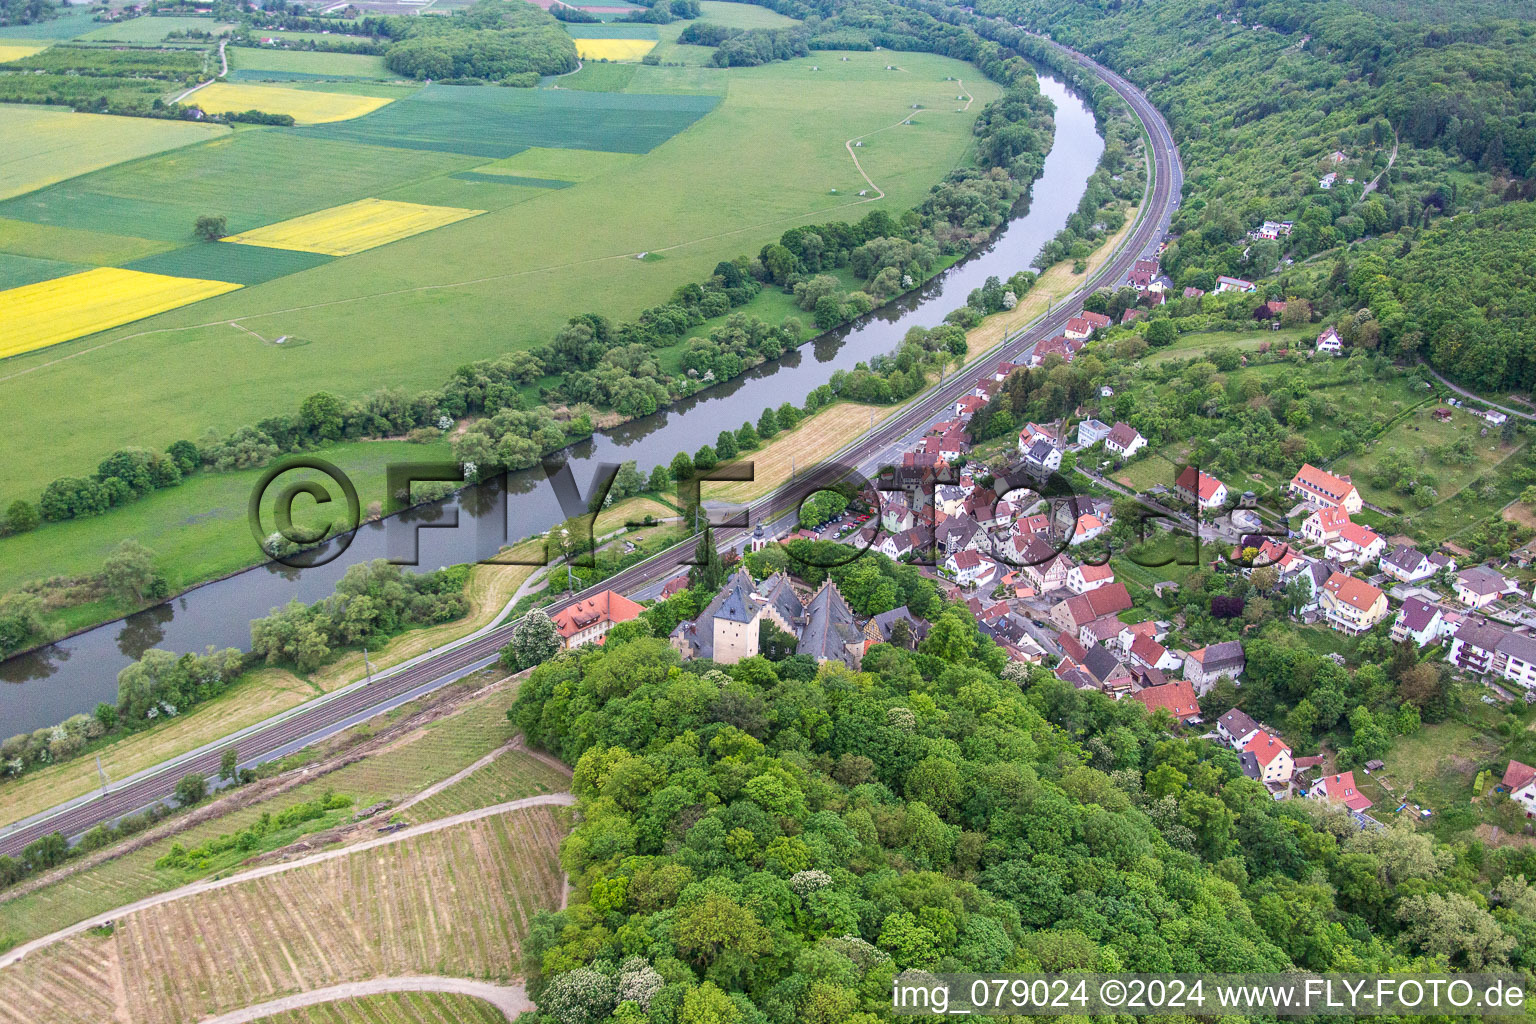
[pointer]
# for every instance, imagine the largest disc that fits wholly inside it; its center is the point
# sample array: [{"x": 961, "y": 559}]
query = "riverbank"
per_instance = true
[{"x": 270, "y": 691}]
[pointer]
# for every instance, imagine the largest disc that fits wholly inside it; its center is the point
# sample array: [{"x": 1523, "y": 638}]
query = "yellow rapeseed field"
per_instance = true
[
  {"x": 613, "y": 49},
  {"x": 344, "y": 230},
  {"x": 38, "y": 315},
  {"x": 306, "y": 107},
  {"x": 16, "y": 51}
]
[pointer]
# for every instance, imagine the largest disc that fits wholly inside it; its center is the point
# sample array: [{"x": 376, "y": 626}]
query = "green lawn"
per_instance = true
[
  {"x": 1413, "y": 441},
  {"x": 248, "y": 63},
  {"x": 153, "y": 29},
  {"x": 47, "y": 145},
  {"x": 742, "y": 15},
  {"x": 1204, "y": 342},
  {"x": 197, "y": 530},
  {"x": 765, "y": 159}
]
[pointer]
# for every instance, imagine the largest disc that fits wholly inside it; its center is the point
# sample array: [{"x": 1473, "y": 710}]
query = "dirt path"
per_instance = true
[
  {"x": 511, "y": 1000},
  {"x": 207, "y": 885},
  {"x": 1391, "y": 159},
  {"x": 860, "y": 167},
  {"x": 224, "y": 63}
]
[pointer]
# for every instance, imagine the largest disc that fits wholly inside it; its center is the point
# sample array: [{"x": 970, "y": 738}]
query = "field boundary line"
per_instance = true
[
  {"x": 510, "y": 1000},
  {"x": 210, "y": 884}
]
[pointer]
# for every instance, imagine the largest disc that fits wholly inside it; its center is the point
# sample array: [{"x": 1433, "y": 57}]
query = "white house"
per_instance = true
[
  {"x": 1234, "y": 284},
  {"x": 1200, "y": 489},
  {"x": 1324, "y": 525},
  {"x": 1407, "y": 564},
  {"x": 1087, "y": 528},
  {"x": 1033, "y": 432},
  {"x": 1419, "y": 621},
  {"x": 1520, "y": 781},
  {"x": 1083, "y": 578},
  {"x": 1124, "y": 440},
  {"x": 1042, "y": 458},
  {"x": 1483, "y": 648},
  {"x": 970, "y": 568},
  {"x": 1358, "y": 543},
  {"x": 1480, "y": 586},
  {"x": 1235, "y": 729},
  {"x": 1321, "y": 489},
  {"x": 1091, "y": 432},
  {"x": 1329, "y": 342}
]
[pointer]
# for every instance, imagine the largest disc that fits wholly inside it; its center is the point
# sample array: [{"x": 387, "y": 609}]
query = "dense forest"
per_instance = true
[
  {"x": 773, "y": 842},
  {"x": 1268, "y": 99},
  {"x": 491, "y": 41},
  {"x": 26, "y": 12}
]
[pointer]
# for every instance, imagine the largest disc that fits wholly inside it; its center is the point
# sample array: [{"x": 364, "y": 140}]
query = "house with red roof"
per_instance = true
[
  {"x": 1177, "y": 698},
  {"x": 1271, "y": 757},
  {"x": 968, "y": 406},
  {"x": 587, "y": 621},
  {"x": 1321, "y": 489},
  {"x": 1520, "y": 781},
  {"x": 1340, "y": 789},
  {"x": 969, "y": 567},
  {"x": 1351, "y": 605},
  {"x": 1324, "y": 525},
  {"x": 1083, "y": 578},
  {"x": 1200, "y": 489},
  {"x": 1148, "y": 653},
  {"x": 1073, "y": 612},
  {"x": 1357, "y": 543}
]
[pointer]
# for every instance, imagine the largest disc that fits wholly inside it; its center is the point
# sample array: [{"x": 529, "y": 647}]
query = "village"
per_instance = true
[{"x": 1028, "y": 552}]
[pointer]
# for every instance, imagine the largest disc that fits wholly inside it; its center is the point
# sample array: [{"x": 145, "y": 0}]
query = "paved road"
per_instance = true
[{"x": 327, "y": 715}]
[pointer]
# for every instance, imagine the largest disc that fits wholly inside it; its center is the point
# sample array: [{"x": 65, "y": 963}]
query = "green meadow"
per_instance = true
[
  {"x": 254, "y": 63},
  {"x": 767, "y": 154}
]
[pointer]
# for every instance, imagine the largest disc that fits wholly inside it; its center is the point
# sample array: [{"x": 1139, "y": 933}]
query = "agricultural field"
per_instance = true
[
  {"x": 154, "y": 29},
  {"x": 305, "y": 107},
  {"x": 497, "y": 123},
  {"x": 68, "y": 26},
  {"x": 423, "y": 758},
  {"x": 250, "y": 63},
  {"x": 742, "y": 15},
  {"x": 353, "y": 228},
  {"x": 613, "y": 49},
  {"x": 611, "y": 30},
  {"x": 456, "y": 902},
  {"x": 396, "y": 1008},
  {"x": 684, "y": 196},
  {"x": 46, "y": 313},
  {"x": 16, "y": 51},
  {"x": 44, "y": 146}
]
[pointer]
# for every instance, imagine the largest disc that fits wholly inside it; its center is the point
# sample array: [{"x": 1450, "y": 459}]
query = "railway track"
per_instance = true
[{"x": 344, "y": 708}]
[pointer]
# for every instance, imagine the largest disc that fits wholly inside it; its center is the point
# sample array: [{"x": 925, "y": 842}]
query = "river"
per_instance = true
[{"x": 50, "y": 684}]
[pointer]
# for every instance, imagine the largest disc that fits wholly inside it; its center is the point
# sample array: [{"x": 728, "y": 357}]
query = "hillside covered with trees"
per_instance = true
[
  {"x": 773, "y": 842},
  {"x": 1268, "y": 99}
]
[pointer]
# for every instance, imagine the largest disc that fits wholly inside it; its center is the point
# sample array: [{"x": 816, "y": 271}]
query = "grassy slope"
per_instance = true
[
  {"x": 765, "y": 159},
  {"x": 314, "y": 62}
]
